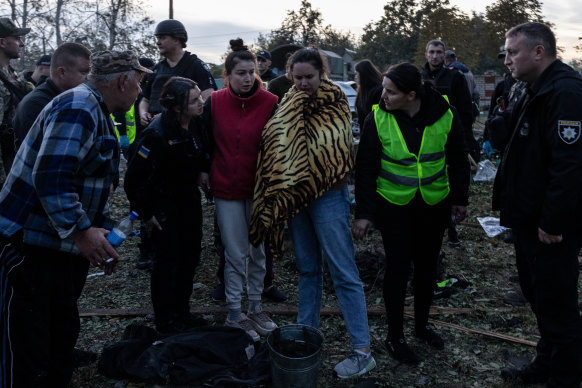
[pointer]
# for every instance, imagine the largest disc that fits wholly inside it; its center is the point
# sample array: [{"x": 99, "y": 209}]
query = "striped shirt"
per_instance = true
[{"x": 62, "y": 173}]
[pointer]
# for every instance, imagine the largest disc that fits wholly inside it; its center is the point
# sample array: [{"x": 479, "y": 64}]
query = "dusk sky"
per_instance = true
[{"x": 211, "y": 25}]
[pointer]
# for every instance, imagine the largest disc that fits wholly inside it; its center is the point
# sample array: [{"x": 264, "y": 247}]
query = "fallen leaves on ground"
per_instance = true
[{"x": 468, "y": 360}]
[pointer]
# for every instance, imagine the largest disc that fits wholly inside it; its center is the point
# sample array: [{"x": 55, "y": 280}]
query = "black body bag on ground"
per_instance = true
[{"x": 214, "y": 356}]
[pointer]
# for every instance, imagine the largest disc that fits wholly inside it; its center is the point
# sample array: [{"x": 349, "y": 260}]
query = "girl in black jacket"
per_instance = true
[{"x": 162, "y": 186}]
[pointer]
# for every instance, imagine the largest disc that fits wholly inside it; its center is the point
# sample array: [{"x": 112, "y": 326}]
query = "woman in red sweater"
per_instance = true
[{"x": 236, "y": 116}]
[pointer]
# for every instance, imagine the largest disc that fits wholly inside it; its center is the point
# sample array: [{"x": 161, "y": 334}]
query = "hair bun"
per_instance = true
[{"x": 237, "y": 45}]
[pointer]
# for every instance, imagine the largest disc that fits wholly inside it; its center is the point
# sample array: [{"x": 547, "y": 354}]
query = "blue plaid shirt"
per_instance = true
[{"x": 62, "y": 173}]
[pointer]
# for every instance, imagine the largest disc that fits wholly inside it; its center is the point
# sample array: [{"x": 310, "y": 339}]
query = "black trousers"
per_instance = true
[
  {"x": 177, "y": 254},
  {"x": 548, "y": 275},
  {"x": 7, "y": 150},
  {"x": 40, "y": 322},
  {"x": 410, "y": 233}
]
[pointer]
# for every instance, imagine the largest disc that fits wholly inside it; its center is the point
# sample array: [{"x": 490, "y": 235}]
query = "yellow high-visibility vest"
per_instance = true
[
  {"x": 402, "y": 173},
  {"x": 129, "y": 124}
]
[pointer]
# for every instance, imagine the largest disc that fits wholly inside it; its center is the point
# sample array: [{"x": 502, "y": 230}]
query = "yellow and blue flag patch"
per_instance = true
[{"x": 144, "y": 152}]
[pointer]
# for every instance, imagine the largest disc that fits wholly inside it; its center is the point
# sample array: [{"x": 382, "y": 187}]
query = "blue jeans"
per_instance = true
[{"x": 320, "y": 229}]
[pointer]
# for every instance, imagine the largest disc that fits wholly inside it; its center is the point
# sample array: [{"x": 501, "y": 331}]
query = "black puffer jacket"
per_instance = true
[
  {"x": 29, "y": 108},
  {"x": 539, "y": 181}
]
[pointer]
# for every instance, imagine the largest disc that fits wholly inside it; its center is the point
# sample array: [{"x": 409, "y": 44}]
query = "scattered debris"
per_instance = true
[{"x": 478, "y": 328}]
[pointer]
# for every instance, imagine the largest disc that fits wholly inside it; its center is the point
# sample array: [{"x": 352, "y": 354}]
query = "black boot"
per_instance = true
[
  {"x": 427, "y": 334},
  {"x": 531, "y": 374},
  {"x": 401, "y": 351}
]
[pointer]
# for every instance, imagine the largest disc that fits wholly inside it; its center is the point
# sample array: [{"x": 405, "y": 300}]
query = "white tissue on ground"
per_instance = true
[
  {"x": 486, "y": 172},
  {"x": 491, "y": 226}
]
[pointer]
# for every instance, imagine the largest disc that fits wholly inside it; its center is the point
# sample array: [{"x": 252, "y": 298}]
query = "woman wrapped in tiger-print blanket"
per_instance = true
[{"x": 306, "y": 148}]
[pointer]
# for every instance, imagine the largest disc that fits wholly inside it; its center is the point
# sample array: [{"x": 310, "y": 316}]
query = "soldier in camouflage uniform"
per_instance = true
[{"x": 12, "y": 89}]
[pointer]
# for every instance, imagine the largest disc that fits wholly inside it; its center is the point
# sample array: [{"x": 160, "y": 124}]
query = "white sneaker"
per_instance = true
[
  {"x": 243, "y": 322},
  {"x": 261, "y": 322},
  {"x": 356, "y": 364}
]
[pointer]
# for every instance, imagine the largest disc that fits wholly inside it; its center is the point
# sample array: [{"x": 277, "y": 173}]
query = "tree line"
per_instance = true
[
  {"x": 402, "y": 31},
  {"x": 98, "y": 24},
  {"x": 399, "y": 34}
]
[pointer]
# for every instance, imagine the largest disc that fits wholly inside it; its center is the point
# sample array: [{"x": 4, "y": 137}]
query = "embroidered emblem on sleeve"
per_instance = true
[
  {"x": 569, "y": 131},
  {"x": 143, "y": 152}
]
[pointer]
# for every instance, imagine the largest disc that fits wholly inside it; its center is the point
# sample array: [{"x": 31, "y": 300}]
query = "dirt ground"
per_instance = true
[{"x": 469, "y": 319}]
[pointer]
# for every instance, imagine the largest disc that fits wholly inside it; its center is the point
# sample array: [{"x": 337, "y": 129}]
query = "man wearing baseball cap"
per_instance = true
[
  {"x": 54, "y": 221},
  {"x": 12, "y": 88},
  {"x": 264, "y": 64},
  {"x": 41, "y": 71}
]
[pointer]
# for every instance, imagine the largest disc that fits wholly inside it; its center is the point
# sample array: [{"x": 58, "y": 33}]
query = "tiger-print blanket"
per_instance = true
[{"x": 306, "y": 148}]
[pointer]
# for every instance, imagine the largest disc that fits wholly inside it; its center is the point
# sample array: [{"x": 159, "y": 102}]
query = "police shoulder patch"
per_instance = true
[{"x": 569, "y": 131}]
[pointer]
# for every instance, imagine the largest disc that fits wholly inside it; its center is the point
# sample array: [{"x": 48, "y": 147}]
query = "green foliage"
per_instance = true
[
  {"x": 477, "y": 55},
  {"x": 406, "y": 26},
  {"x": 394, "y": 37},
  {"x": 305, "y": 27},
  {"x": 452, "y": 27},
  {"x": 400, "y": 34},
  {"x": 500, "y": 16}
]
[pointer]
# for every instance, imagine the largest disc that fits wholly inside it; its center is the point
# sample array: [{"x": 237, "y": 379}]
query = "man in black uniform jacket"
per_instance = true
[
  {"x": 538, "y": 190},
  {"x": 452, "y": 84},
  {"x": 70, "y": 65},
  {"x": 264, "y": 66},
  {"x": 171, "y": 40}
]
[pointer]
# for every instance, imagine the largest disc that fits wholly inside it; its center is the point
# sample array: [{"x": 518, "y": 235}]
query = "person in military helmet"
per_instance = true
[
  {"x": 161, "y": 183},
  {"x": 171, "y": 39}
]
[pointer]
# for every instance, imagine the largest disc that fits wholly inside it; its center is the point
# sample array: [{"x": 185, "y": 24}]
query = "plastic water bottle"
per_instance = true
[{"x": 122, "y": 230}]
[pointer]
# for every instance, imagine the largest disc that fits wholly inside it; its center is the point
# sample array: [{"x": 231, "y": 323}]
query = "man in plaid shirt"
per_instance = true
[{"x": 54, "y": 219}]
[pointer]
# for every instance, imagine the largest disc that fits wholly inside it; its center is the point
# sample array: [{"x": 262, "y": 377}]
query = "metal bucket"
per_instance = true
[{"x": 295, "y": 354}]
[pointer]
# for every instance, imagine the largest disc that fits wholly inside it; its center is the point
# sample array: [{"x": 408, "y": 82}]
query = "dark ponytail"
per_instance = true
[
  {"x": 239, "y": 52},
  {"x": 408, "y": 78}
]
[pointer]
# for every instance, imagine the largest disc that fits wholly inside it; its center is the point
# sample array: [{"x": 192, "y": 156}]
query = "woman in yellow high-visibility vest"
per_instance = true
[{"x": 412, "y": 173}]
